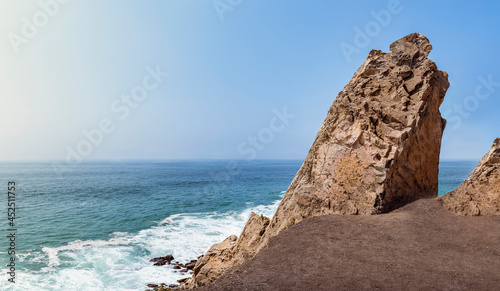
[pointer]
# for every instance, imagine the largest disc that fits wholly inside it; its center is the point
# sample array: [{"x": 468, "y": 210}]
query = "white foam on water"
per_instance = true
[
  {"x": 122, "y": 262},
  {"x": 169, "y": 220},
  {"x": 52, "y": 253}
]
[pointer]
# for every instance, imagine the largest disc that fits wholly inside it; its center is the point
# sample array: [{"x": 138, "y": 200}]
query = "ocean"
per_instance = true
[{"x": 95, "y": 226}]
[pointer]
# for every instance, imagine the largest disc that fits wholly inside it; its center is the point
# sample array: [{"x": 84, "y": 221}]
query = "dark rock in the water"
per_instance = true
[
  {"x": 160, "y": 261},
  {"x": 176, "y": 267},
  {"x": 190, "y": 265}
]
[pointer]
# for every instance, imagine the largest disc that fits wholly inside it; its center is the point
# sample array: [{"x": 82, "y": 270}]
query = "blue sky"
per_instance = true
[{"x": 234, "y": 67}]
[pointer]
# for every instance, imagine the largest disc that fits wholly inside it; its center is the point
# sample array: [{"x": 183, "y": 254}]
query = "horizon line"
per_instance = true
[{"x": 187, "y": 159}]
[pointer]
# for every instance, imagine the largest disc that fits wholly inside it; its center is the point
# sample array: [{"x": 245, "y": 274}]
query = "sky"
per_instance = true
[{"x": 223, "y": 79}]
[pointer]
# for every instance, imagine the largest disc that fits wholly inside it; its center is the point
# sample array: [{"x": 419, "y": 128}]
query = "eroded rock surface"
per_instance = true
[
  {"x": 377, "y": 149},
  {"x": 480, "y": 193}
]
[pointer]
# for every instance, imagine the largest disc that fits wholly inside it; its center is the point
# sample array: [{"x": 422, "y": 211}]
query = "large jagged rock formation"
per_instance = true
[
  {"x": 377, "y": 149},
  {"x": 480, "y": 193}
]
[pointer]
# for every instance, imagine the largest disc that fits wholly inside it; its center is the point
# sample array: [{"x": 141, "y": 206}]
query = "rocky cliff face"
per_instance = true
[
  {"x": 377, "y": 149},
  {"x": 480, "y": 193}
]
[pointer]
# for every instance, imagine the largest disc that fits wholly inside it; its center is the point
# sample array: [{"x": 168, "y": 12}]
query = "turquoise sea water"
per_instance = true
[{"x": 95, "y": 226}]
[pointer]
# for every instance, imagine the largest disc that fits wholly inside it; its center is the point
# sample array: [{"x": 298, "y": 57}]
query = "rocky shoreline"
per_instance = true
[{"x": 186, "y": 268}]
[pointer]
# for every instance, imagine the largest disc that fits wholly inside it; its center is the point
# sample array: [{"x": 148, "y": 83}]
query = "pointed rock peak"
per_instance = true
[
  {"x": 414, "y": 45},
  {"x": 496, "y": 143},
  {"x": 493, "y": 155}
]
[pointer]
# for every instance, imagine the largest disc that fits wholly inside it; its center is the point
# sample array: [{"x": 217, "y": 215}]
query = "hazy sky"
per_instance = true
[{"x": 222, "y": 79}]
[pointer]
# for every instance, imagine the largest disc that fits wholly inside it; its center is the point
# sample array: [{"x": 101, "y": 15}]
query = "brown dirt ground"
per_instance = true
[{"x": 417, "y": 247}]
